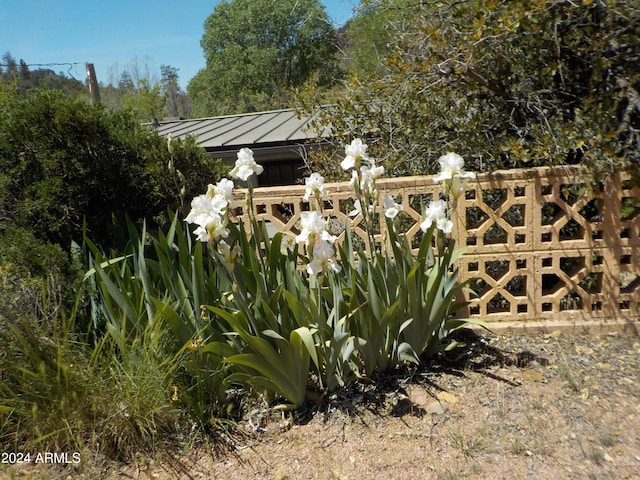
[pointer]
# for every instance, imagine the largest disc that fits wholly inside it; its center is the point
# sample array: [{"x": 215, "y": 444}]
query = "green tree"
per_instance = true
[
  {"x": 257, "y": 51},
  {"x": 125, "y": 83},
  {"x": 369, "y": 35},
  {"x": 177, "y": 104},
  {"x": 150, "y": 95},
  {"x": 147, "y": 101},
  {"x": 24, "y": 70},
  {"x": 24, "y": 81},
  {"x": 505, "y": 84},
  {"x": 64, "y": 162},
  {"x": 9, "y": 64}
]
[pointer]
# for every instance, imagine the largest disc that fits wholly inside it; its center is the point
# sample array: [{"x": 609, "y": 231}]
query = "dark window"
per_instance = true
[{"x": 288, "y": 172}]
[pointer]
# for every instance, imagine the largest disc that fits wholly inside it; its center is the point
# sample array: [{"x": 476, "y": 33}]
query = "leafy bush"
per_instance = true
[
  {"x": 505, "y": 84},
  {"x": 37, "y": 279},
  {"x": 158, "y": 285},
  {"x": 68, "y": 387},
  {"x": 257, "y": 52},
  {"x": 65, "y": 165},
  {"x": 353, "y": 316}
]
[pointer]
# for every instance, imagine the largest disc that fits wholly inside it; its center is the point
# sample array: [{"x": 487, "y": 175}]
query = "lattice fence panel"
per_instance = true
[
  {"x": 282, "y": 207},
  {"x": 627, "y": 255},
  {"x": 543, "y": 246}
]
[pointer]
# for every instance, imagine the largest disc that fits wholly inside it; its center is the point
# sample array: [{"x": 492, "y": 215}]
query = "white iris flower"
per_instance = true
[
  {"x": 245, "y": 165},
  {"x": 436, "y": 212}
]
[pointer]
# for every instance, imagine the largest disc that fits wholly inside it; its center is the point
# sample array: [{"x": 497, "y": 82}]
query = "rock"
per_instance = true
[
  {"x": 437, "y": 408},
  {"x": 532, "y": 376},
  {"x": 419, "y": 397},
  {"x": 447, "y": 397},
  {"x": 554, "y": 334}
]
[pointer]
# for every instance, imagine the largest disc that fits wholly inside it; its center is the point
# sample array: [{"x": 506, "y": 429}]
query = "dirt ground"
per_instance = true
[{"x": 509, "y": 406}]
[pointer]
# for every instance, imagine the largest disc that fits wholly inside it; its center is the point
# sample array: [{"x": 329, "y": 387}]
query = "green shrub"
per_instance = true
[
  {"x": 66, "y": 165},
  {"x": 512, "y": 84},
  {"x": 37, "y": 279}
]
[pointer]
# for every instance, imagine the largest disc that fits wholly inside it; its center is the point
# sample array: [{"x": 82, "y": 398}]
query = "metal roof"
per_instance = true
[{"x": 277, "y": 127}]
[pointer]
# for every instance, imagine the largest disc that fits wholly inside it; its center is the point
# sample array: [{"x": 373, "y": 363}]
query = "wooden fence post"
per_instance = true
[{"x": 93, "y": 84}]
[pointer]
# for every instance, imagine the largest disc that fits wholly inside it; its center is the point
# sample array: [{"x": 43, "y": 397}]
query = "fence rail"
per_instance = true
[{"x": 544, "y": 247}]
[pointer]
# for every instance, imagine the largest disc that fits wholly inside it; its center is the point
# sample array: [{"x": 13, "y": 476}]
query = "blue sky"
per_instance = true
[{"x": 114, "y": 34}]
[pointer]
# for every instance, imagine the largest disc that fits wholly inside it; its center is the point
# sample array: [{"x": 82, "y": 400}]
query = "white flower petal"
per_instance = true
[
  {"x": 436, "y": 209},
  {"x": 201, "y": 234},
  {"x": 376, "y": 172},
  {"x": 323, "y": 257},
  {"x": 357, "y": 209},
  {"x": 426, "y": 224},
  {"x": 245, "y": 165},
  {"x": 391, "y": 208},
  {"x": 348, "y": 162},
  {"x": 327, "y": 237},
  {"x": 335, "y": 266},
  {"x": 451, "y": 162},
  {"x": 224, "y": 188},
  {"x": 436, "y": 212},
  {"x": 314, "y": 267},
  {"x": 315, "y": 186},
  {"x": 442, "y": 176},
  {"x": 445, "y": 225},
  {"x": 391, "y": 212},
  {"x": 452, "y": 166},
  {"x": 356, "y": 149}
]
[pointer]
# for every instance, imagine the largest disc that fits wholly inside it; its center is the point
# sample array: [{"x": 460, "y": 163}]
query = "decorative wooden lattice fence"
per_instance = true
[{"x": 544, "y": 247}]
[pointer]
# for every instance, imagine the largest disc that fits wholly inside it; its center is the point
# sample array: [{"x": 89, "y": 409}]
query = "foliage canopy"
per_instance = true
[
  {"x": 138, "y": 87},
  {"x": 64, "y": 162},
  {"x": 368, "y": 35},
  {"x": 257, "y": 50},
  {"x": 505, "y": 84},
  {"x": 24, "y": 80}
]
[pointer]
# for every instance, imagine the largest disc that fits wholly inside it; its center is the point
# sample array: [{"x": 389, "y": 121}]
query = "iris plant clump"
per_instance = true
[{"x": 281, "y": 329}]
